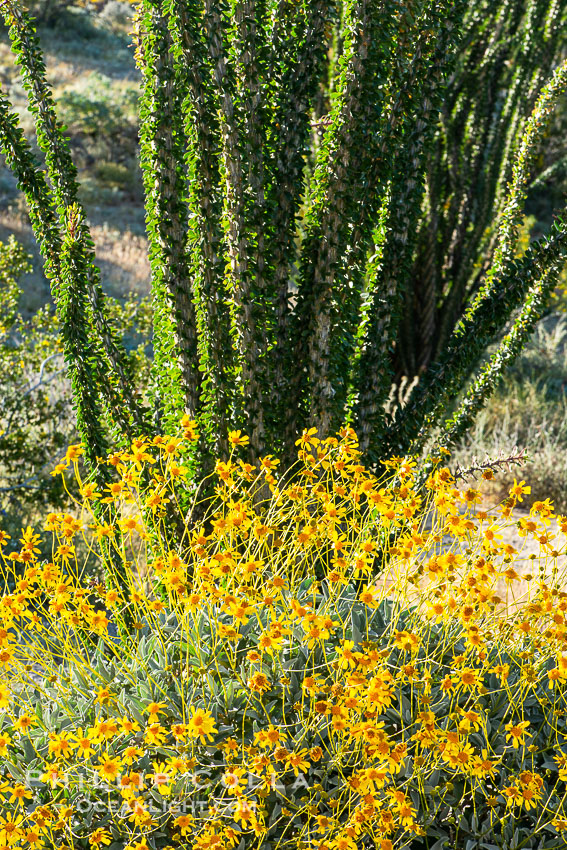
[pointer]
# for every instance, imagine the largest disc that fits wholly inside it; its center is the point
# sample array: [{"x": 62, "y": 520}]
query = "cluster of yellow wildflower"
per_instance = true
[{"x": 331, "y": 657}]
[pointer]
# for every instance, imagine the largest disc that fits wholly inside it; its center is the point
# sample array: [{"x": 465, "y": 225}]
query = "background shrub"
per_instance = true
[
  {"x": 102, "y": 117},
  {"x": 47, "y": 11},
  {"x": 528, "y": 410},
  {"x": 36, "y": 414}
]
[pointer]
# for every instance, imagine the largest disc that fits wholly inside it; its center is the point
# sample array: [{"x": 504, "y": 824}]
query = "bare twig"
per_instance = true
[{"x": 516, "y": 458}]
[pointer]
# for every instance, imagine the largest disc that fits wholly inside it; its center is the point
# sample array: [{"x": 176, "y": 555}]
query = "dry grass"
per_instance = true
[{"x": 529, "y": 411}]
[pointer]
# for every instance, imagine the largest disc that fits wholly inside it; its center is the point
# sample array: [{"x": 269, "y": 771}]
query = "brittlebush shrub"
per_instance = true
[{"x": 333, "y": 660}]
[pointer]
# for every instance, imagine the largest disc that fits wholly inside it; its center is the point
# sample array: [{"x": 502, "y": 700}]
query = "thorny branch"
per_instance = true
[{"x": 516, "y": 458}]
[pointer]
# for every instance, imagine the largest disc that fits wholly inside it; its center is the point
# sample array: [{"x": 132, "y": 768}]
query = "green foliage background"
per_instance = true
[{"x": 334, "y": 196}]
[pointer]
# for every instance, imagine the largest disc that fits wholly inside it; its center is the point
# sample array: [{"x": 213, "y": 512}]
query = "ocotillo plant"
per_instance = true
[{"x": 333, "y": 192}]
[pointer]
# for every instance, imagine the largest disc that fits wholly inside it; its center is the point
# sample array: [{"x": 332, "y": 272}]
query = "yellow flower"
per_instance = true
[
  {"x": 179, "y": 731},
  {"x": 244, "y": 811},
  {"x": 24, "y": 722},
  {"x": 129, "y": 524},
  {"x": 10, "y": 829},
  {"x": 100, "y": 837},
  {"x": 406, "y": 641},
  {"x": 269, "y": 737},
  {"x": 154, "y": 709},
  {"x": 298, "y": 761},
  {"x": 6, "y": 656},
  {"x": 491, "y": 534},
  {"x": 190, "y": 427},
  {"x": 269, "y": 463},
  {"x": 161, "y": 778},
  {"x": 471, "y": 496},
  {"x": 240, "y": 611},
  {"x": 517, "y": 732},
  {"x": 5, "y": 742},
  {"x": 177, "y": 765},
  {"x": 155, "y": 498},
  {"x": 268, "y": 643},
  {"x": 129, "y": 726},
  {"x": 237, "y": 438},
  {"x": 103, "y": 530},
  {"x": 59, "y": 469},
  {"x": 74, "y": 452},
  {"x": 99, "y": 621},
  {"x": 544, "y": 509},
  {"x": 103, "y": 695},
  {"x": 130, "y": 754},
  {"x": 109, "y": 768},
  {"x": 171, "y": 446},
  {"x": 308, "y": 438},
  {"x": 84, "y": 743},
  {"x": 19, "y": 793},
  {"x": 259, "y": 682},
  {"x": 368, "y": 596},
  {"x": 201, "y": 725},
  {"x": 324, "y": 823},
  {"x": 60, "y": 745},
  {"x": 470, "y": 677},
  {"x": 469, "y": 719},
  {"x": 155, "y": 734},
  {"x": 53, "y": 776},
  {"x": 33, "y": 839},
  {"x": 518, "y": 490},
  {"x": 177, "y": 471},
  {"x": 234, "y": 780},
  {"x": 346, "y": 842},
  {"x": 185, "y": 823}
]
